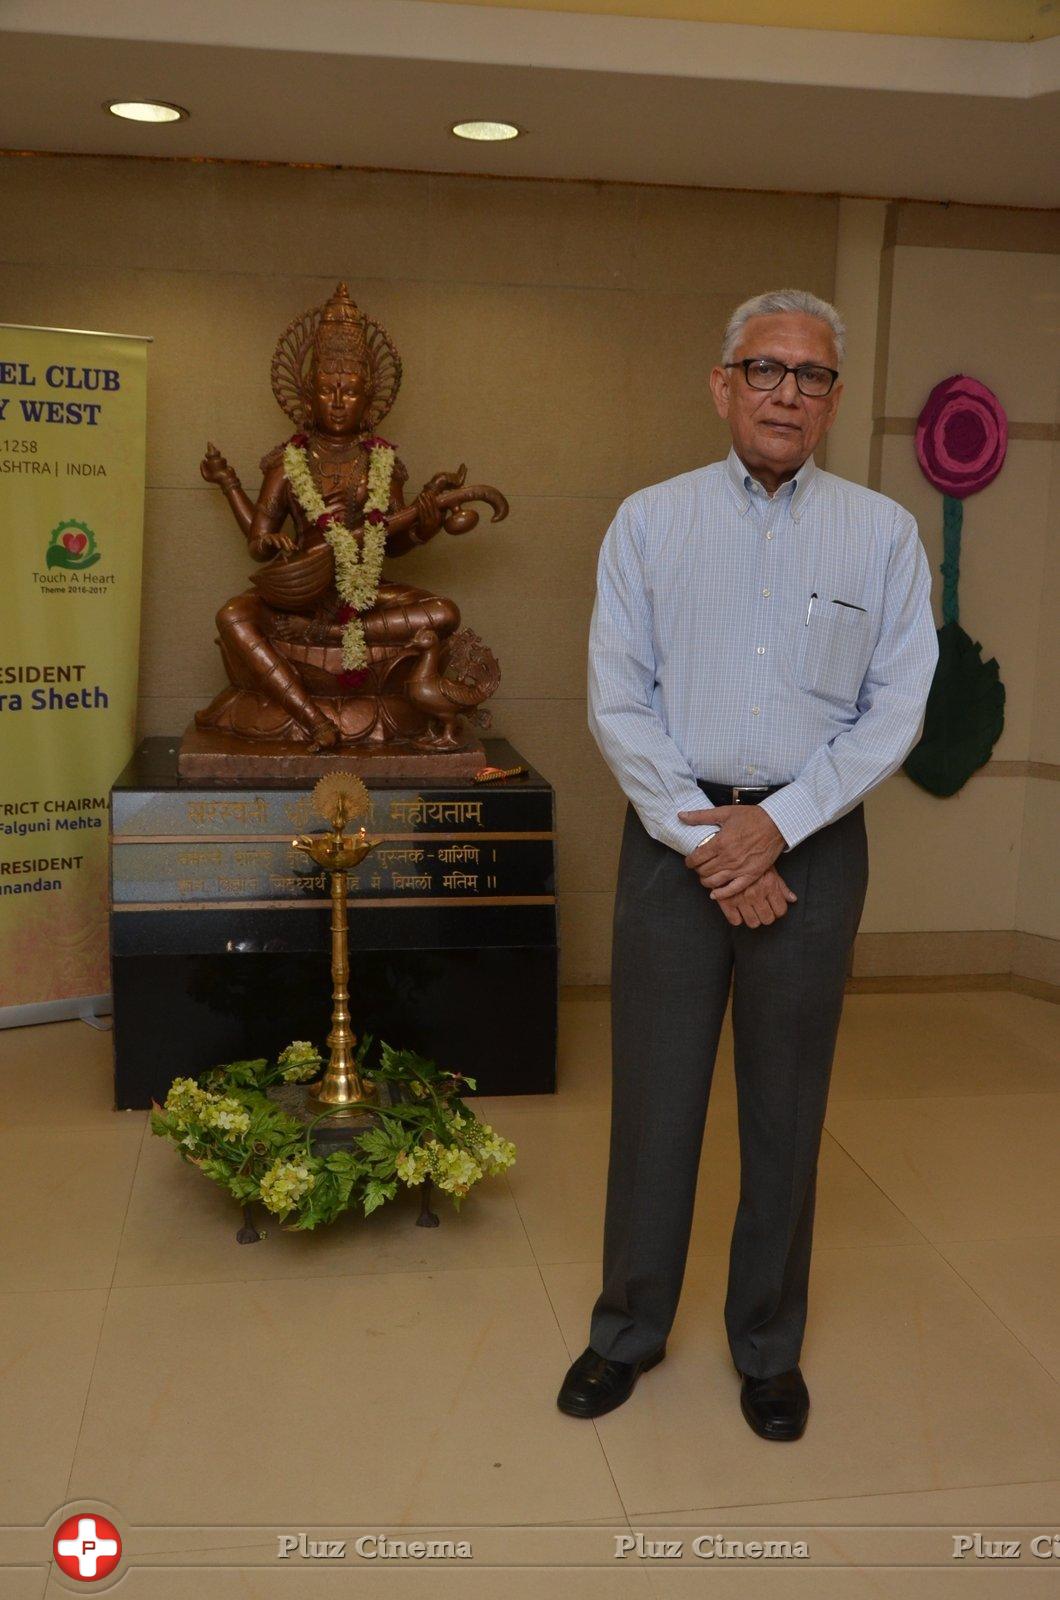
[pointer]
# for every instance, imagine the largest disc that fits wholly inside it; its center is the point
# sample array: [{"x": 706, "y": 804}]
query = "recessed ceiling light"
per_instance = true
[
  {"x": 486, "y": 131},
  {"x": 146, "y": 110}
]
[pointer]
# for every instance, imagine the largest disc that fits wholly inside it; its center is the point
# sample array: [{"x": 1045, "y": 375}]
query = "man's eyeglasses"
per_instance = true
[{"x": 761, "y": 373}]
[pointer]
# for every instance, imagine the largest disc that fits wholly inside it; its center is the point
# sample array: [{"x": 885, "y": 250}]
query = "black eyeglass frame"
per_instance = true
[{"x": 749, "y": 361}]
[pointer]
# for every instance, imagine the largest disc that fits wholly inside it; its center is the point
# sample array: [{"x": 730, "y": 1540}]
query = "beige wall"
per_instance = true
[
  {"x": 963, "y": 290},
  {"x": 557, "y": 338},
  {"x": 1038, "y": 890}
]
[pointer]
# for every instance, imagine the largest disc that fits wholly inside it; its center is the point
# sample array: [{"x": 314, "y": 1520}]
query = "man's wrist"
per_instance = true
[{"x": 792, "y": 813}]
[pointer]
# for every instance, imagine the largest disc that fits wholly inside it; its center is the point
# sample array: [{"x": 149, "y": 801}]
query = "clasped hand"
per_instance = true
[{"x": 736, "y": 864}]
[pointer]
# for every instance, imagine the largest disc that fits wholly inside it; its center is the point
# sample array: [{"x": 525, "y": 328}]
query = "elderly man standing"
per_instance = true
[{"x": 760, "y": 655}]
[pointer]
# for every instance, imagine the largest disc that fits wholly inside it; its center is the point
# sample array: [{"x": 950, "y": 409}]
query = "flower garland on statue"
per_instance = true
[{"x": 358, "y": 559}]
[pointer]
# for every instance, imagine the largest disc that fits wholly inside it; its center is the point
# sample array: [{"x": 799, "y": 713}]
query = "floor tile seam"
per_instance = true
[
  {"x": 880, "y": 1190},
  {"x": 50, "y": 1125},
  {"x": 837, "y": 1097},
  {"x": 820, "y": 1248},
  {"x": 943, "y": 1099},
  {"x": 322, "y": 1528},
  {"x": 570, "y": 1358},
  {"x": 84, "y": 1288},
  {"x": 321, "y": 1277},
  {"x": 106, "y": 1312},
  {"x": 719, "y": 1252},
  {"x": 936, "y": 1244},
  {"x": 478, "y": 1566},
  {"x": 872, "y": 1494},
  {"x": 537, "y": 1267},
  {"x": 1007, "y": 1238},
  {"x": 893, "y": 1205},
  {"x": 997, "y": 1316},
  {"x": 266, "y": 1529}
]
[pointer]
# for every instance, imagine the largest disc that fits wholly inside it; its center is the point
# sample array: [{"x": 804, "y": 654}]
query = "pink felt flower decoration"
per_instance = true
[{"x": 961, "y": 436}]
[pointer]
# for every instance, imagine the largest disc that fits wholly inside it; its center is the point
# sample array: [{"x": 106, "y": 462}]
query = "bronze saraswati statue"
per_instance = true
[{"x": 324, "y": 656}]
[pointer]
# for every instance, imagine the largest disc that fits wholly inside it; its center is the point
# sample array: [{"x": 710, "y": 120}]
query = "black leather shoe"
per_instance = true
[
  {"x": 594, "y": 1384},
  {"x": 776, "y": 1407}
]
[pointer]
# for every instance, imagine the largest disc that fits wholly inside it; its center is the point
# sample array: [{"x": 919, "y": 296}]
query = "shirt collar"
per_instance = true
[{"x": 796, "y": 490}]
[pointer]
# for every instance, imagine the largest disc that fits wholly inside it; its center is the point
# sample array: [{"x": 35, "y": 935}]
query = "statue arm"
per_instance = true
[
  {"x": 215, "y": 469},
  {"x": 264, "y": 532},
  {"x": 443, "y": 502},
  {"x": 258, "y": 523}
]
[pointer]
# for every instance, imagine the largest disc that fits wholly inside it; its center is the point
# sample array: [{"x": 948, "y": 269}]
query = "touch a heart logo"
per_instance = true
[{"x": 72, "y": 546}]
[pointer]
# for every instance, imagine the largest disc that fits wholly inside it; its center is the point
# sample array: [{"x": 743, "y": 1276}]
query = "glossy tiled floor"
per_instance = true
[{"x": 392, "y": 1377}]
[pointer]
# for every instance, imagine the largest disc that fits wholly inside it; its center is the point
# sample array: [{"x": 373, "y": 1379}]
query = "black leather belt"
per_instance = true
[{"x": 723, "y": 794}]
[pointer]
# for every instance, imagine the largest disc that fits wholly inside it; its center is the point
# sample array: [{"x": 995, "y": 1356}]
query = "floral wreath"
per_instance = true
[
  {"x": 226, "y": 1125},
  {"x": 358, "y": 557}
]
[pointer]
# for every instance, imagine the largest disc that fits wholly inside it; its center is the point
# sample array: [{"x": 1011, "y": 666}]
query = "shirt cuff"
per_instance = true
[
  {"x": 793, "y": 812},
  {"x": 688, "y": 836}
]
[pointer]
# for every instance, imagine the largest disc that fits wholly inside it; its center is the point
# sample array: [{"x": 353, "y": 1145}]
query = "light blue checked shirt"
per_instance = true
[{"x": 753, "y": 640}]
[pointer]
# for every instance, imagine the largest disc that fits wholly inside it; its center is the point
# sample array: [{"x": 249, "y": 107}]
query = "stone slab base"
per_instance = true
[{"x": 210, "y": 759}]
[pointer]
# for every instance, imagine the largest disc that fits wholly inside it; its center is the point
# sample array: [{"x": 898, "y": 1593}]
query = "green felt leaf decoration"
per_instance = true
[
  {"x": 964, "y": 716},
  {"x": 965, "y": 710}
]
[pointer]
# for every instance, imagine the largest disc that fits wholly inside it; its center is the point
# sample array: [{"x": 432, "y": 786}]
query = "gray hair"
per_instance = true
[{"x": 779, "y": 301}]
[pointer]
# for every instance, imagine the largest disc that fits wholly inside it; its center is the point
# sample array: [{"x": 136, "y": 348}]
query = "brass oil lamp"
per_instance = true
[{"x": 339, "y": 798}]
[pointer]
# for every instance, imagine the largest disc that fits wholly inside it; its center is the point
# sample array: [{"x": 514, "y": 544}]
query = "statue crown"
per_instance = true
[{"x": 340, "y": 340}]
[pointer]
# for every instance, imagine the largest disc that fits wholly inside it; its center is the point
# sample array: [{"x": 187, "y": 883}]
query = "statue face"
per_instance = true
[{"x": 338, "y": 399}]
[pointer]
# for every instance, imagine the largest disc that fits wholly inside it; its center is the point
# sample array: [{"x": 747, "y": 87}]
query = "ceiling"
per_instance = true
[
  {"x": 1014, "y": 20},
  {"x": 621, "y": 98}
]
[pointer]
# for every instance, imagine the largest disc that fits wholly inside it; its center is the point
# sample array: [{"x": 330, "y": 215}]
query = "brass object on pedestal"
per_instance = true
[{"x": 339, "y": 797}]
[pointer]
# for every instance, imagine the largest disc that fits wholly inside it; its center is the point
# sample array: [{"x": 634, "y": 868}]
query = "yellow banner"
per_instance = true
[{"x": 72, "y": 425}]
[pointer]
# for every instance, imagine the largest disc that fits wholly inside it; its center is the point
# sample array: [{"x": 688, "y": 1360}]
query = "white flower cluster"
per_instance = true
[
  {"x": 358, "y": 557},
  {"x": 454, "y": 1167},
  {"x": 186, "y": 1102},
  {"x": 301, "y": 1061},
  {"x": 185, "y": 1099},
  {"x": 493, "y": 1152},
  {"x": 221, "y": 1111},
  {"x": 284, "y": 1185}
]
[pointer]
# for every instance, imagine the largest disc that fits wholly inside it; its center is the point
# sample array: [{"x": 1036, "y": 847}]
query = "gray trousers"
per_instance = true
[{"x": 674, "y": 956}]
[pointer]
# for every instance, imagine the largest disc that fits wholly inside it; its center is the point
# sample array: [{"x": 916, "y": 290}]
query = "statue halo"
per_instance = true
[{"x": 291, "y": 360}]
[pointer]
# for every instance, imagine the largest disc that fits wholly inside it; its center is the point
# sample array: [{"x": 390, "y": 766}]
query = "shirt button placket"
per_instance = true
[{"x": 766, "y": 593}]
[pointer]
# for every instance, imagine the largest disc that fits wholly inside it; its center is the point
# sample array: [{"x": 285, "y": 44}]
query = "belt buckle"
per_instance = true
[{"x": 756, "y": 788}]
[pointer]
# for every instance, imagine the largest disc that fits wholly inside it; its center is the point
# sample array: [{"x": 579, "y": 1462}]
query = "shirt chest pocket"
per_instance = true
[{"x": 833, "y": 654}]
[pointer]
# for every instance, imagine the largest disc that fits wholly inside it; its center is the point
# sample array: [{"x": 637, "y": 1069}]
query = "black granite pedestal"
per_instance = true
[{"x": 220, "y": 932}]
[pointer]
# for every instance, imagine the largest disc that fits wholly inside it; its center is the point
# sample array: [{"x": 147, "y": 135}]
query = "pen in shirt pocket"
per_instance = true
[{"x": 809, "y": 608}]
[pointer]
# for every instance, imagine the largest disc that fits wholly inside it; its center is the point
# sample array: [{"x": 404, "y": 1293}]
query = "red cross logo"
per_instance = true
[{"x": 87, "y": 1547}]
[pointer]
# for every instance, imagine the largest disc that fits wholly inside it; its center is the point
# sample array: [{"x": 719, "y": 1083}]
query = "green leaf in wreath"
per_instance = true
[
  {"x": 375, "y": 1193},
  {"x": 236, "y": 1073},
  {"x": 382, "y": 1143},
  {"x": 964, "y": 716}
]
